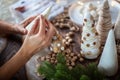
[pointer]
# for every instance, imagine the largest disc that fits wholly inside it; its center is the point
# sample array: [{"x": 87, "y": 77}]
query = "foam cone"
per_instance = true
[
  {"x": 108, "y": 62},
  {"x": 45, "y": 14}
]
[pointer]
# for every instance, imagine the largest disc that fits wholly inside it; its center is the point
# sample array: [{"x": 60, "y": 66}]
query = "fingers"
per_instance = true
[
  {"x": 22, "y": 30},
  {"x": 42, "y": 26},
  {"x": 28, "y": 21},
  {"x": 49, "y": 34},
  {"x": 51, "y": 30},
  {"x": 18, "y": 29},
  {"x": 45, "y": 36},
  {"x": 34, "y": 27}
]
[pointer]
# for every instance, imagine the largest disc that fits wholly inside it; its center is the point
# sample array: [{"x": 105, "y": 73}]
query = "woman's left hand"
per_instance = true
[
  {"x": 20, "y": 28},
  {"x": 8, "y": 28}
]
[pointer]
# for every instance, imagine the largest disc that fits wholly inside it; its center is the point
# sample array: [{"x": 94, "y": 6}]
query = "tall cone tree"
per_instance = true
[
  {"x": 117, "y": 27},
  {"x": 90, "y": 44},
  {"x": 104, "y": 22},
  {"x": 108, "y": 62}
]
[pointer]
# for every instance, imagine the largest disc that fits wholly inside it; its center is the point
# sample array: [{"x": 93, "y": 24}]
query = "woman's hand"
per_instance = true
[
  {"x": 39, "y": 36},
  {"x": 21, "y": 28},
  {"x": 36, "y": 39},
  {"x": 8, "y": 28}
]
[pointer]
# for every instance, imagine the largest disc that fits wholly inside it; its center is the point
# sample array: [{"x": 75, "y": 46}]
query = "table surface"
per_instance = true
[{"x": 5, "y": 15}]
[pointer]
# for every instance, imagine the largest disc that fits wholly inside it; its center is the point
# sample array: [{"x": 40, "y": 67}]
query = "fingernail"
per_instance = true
[
  {"x": 25, "y": 31},
  {"x": 37, "y": 19},
  {"x": 40, "y": 16}
]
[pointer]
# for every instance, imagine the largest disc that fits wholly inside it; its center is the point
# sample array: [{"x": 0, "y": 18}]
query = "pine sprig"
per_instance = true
[
  {"x": 47, "y": 69},
  {"x": 84, "y": 77},
  {"x": 61, "y": 59},
  {"x": 60, "y": 71}
]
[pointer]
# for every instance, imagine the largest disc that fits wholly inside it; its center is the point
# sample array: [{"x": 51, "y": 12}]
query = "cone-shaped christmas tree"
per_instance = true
[
  {"x": 104, "y": 22},
  {"x": 45, "y": 14},
  {"x": 90, "y": 44},
  {"x": 117, "y": 27},
  {"x": 108, "y": 62}
]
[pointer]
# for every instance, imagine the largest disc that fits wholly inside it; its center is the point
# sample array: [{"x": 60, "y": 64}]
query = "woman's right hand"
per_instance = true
[{"x": 39, "y": 36}]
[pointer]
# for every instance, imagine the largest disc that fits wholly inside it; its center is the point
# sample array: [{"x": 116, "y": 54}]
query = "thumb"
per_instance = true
[{"x": 22, "y": 30}]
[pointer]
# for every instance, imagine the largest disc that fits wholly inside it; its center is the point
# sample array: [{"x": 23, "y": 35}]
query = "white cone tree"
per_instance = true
[
  {"x": 90, "y": 44},
  {"x": 45, "y": 14},
  {"x": 108, "y": 62}
]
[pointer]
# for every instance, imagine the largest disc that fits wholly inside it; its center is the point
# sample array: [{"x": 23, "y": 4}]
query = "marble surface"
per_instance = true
[{"x": 4, "y": 10}]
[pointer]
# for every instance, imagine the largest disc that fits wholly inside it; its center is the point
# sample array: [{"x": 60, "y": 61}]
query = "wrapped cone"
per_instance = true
[
  {"x": 90, "y": 44},
  {"x": 104, "y": 22},
  {"x": 108, "y": 62},
  {"x": 45, "y": 14},
  {"x": 117, "y": 27}
]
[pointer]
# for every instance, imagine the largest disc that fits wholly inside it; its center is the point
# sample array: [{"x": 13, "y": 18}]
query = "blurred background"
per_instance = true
[{"x": 4, "y": 10}]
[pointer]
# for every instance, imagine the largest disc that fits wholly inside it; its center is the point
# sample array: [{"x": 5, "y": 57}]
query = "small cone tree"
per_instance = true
[
  {"x": 90, "y": 44},
  {"x": 104, "y": 22}
]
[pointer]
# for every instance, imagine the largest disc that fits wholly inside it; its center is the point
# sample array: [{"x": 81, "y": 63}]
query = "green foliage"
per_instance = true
[
  {"x": 84, "y": 77},
  {"x": 61, "y": 59},
  {"x": 47, "y": 69},
  {"x": 60, "y": 71},
  {"x": 92, "y": 71}
]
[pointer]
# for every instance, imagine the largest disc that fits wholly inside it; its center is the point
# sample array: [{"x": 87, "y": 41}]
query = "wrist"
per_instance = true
[{"x": 25, "y": 52}]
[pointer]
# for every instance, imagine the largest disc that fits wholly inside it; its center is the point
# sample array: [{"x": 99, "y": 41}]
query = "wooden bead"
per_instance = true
[
  {"x": 72, "y": 54},
  {"x": 62, "y": 20},
  {"x": 53, "y": 55},
  {"x": 67, "y": 34},
  {"x": 71, "y": 33},
  {"x": 79, "y": 55},
  {"x": 73, "y": 59},
  {"x": 69, "y": 58},
  {"x": 81, "y": 59},
  {"x": 77, "y": 28},
  {"x": 67, "y": 61},
  {"x": 67, "y": 38},
  {"x": 64, "y": 40},
  {"x": 67, "y": 55},
  {"x": 53, "y": 58},
  {"x": 70, "y": 67},
  {"x": 73, "y": 63},
  {"x": 68, "y": 51},
  {"x": 70, "y": 40},
  {"x": 52, "y": 61},
  {"x": 57, "y": 24},
  {"x": 42, "y": 58},
  {"x": 73, "y": 29},
  {"x": 67, "y": 43},
  {"x": 48, "y": 57},
  {"x": 68, "y": 64}
]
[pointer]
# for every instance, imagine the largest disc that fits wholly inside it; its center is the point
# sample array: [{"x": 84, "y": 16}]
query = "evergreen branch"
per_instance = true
[{"x": 60, "y": 71}]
